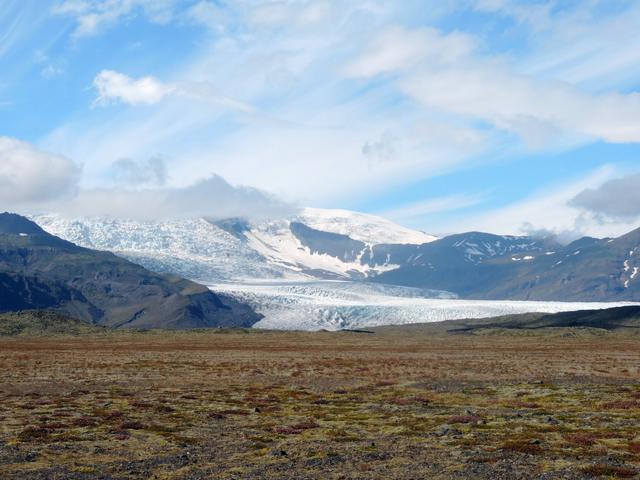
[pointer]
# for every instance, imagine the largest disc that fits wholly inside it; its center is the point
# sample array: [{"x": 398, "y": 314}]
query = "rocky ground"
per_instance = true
[{"x": 398, "y": 403}]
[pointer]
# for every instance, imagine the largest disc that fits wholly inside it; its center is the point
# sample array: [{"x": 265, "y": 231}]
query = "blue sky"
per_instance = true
[{"x": 498, "y": 115}]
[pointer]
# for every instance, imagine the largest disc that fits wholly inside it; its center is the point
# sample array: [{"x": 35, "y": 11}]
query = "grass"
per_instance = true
[{"x": 252, "y": 404}]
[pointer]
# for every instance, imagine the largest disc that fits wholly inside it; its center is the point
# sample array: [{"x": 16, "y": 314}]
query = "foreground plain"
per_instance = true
[{"x": 403, "y": 402}]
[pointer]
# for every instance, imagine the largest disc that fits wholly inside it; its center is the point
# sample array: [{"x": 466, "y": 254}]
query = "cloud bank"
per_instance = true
[
  {"x": 34, "y": 181},
  {"x": 29, "y": 175},
  {"x": 211, "y": 198},
  {"x": 135, "y": 174},
  {"x": 618, "y": 198}
]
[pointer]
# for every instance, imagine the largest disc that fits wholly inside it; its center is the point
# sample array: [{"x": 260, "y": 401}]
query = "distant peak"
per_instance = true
[{"x": 14, "y": 224}]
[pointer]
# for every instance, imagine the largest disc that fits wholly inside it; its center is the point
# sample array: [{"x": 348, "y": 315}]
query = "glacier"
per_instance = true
[{"x": 338, "y": 305}]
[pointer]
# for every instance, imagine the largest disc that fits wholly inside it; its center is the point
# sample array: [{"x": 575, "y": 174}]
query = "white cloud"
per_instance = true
[
  {"x": 329, "y": 101},
  {"x": 114, "y": 86},
  {"x": 209, "y": 14},
  {"x": 444, "y": 72},
  {"x": 35, "y": 181},
  {"x": 93, "y": 16},
  {"x": 301, "y": 13},
  {"x": 577, "y": 43},
  {"x": 550, "y": 210},
  {"x": 396, "y": 49},
  {"x": 212, "y": 198},
  {"x": 414, "y": 213},
  {"x": 151, "y": 172},
  {"x": 618, "y": 198},
  {"x": 31, "y": 176}
]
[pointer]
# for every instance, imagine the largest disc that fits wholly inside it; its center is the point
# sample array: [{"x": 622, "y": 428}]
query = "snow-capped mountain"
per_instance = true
[
  {"x": 366, "y": 228},
  {"x": 315, "y": 243},
  {"x": 338, "y": 269}
]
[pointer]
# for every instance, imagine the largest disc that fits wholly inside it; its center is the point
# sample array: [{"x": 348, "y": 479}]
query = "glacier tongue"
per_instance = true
[{"x": 335, "y": 305}]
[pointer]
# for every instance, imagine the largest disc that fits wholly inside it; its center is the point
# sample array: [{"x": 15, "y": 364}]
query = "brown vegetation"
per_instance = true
[{"x": 253, "y": 404}]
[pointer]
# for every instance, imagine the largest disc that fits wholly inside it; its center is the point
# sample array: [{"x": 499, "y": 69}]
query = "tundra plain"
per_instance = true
[{"x": 402, "y": 402}]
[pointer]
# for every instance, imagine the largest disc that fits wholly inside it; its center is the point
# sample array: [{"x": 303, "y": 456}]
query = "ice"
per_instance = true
[{"x": 335, "y": 305}]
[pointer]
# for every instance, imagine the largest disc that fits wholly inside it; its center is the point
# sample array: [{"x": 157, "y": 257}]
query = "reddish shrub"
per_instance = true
[
  {"x": 54, "y": 426},
  {"x": 132, "y": 426},
  {"x": 385, "y": 383},
  {"x": 522, "y": 446},
  {"x": 115, "y": 415},
  {"x": 523, "y": 404},
  {"x": 464, "y": 419},
  {"x": 582, "y": 439},
  {"x": 601, "y": 470},
  {"x": 306, "y": 425},
  {"x": 287, "y": 430},
  {"x": 84, "y": 422},
  {"x": 33, "y": 433},
  {"x": 233, "y": 412},
  {"x": 622, "y": 405},
  {"x": 165, "y": 409}
]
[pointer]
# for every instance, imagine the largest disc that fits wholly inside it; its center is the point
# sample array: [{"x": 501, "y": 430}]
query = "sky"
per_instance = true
[{"x": 514, "y": 117}]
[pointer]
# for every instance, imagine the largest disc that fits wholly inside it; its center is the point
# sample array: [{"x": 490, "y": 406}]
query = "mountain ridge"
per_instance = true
[
  {"x": 41, "y": 271},
  {"x": 474, "y": 265}
]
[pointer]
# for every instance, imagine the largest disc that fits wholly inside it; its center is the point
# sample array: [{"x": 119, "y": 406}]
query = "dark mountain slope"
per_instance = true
[
  {"x": 39, "y": 270},
  {"x": 607, "y": 319},
  {"x": 469, "y": 264},
  {"x": 588, "y": 269}
]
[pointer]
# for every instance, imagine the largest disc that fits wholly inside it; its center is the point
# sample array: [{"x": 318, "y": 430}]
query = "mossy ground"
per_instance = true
[{"x": 320, "y": 405}]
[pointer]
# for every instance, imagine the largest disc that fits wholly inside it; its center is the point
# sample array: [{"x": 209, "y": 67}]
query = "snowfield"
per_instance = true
[
  {"x": 370, "y": 229},
  {"x": 336, "y": 305},
  {"x": 200, "y": 250}
]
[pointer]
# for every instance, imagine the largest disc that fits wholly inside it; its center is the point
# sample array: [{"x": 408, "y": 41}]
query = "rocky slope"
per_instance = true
[
  {"x": 41, "y": 271},
  {"x": 588, "y": 269}
]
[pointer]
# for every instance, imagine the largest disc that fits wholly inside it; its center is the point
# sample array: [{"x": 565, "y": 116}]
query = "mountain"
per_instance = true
[
  {"x": 41, "y": 271},
  {"x": 627, "y": 318},
  {"x": 588, "y": 269},
  {"x": 461, "y": 263},
  {"x": 315, "y": 243},
  {"x": 341, "y": 245}
]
